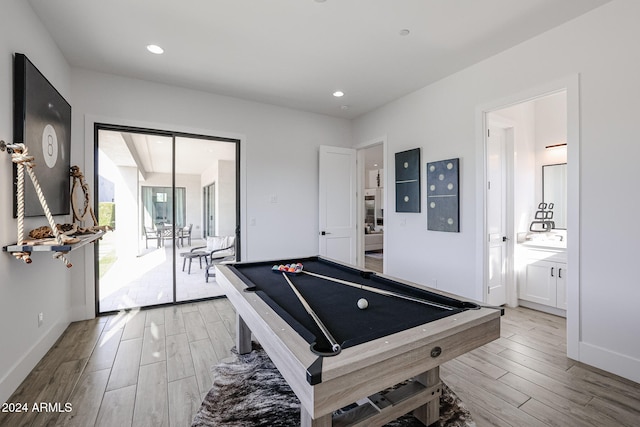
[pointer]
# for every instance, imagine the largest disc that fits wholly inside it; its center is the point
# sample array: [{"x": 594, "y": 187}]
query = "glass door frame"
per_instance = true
[
  {"x": 173, "y": 135},
  {"x": 208, "y": 202}
]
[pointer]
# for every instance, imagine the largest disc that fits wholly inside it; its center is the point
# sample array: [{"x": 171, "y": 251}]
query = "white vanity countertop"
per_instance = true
[
  {"x": 554, "y": 240},
  {"x": 542, "y": 244}
]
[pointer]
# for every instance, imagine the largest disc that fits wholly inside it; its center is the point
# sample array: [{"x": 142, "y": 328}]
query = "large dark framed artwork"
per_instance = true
[
  {"x": 443, "y": 196},
  {"x": 408, "y": 181},
  {"x": 42, "y": 122}
]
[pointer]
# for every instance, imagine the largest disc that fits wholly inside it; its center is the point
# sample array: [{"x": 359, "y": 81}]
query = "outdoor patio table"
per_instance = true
[{"x": 190, "y": 256}]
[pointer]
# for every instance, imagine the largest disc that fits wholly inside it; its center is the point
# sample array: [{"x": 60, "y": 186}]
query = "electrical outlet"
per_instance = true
[{"x": 40, "y": 319}]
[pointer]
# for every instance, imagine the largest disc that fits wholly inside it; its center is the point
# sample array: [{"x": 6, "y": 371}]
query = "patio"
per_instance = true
[{"x": 137, "y": 281}]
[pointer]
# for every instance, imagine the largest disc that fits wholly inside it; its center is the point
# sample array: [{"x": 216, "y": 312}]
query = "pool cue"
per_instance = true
[
  {"x": 334, "y": 344},
  {"x": 379, "y": 291}
]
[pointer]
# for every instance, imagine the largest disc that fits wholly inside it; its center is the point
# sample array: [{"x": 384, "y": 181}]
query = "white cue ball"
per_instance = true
[{"x": 363, "y": 303}]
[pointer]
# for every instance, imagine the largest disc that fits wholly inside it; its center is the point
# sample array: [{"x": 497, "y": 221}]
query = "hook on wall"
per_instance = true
[{"x": 10, "y": 148}]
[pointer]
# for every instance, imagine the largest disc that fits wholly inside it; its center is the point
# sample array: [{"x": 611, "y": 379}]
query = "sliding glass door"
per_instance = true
[
  {"x": 209, "y": 167},
  {"x": 150, "y": 187}
]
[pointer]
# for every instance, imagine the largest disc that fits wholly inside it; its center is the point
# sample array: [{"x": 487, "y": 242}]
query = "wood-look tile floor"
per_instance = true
[
  {"x": 152, "y": 368},
  {"x": 373, "y": 263}
]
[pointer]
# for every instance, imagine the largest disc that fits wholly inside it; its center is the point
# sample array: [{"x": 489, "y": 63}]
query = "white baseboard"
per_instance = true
[
  {"x": 610, "y": 361},
  {"x": 541, "y": 307},
  {"x": 607, "y": 360},
  {"x": 19, "y": 371}
]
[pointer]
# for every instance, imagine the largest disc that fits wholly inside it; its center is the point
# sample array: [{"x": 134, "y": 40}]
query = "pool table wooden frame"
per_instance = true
[{"x": 361, "y": 371}]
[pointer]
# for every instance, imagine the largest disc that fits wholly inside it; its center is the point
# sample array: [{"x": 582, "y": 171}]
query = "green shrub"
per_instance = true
[{"x": 107, "y": 214}]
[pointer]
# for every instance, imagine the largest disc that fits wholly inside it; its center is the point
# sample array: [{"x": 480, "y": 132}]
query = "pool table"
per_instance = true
[{"x": 387, "y": 360}]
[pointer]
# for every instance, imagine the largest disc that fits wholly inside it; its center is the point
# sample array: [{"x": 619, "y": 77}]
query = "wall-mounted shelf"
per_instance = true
[{"x": 50, "y": 244}]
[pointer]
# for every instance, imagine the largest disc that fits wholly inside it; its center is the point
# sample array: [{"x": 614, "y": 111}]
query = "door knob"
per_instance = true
[{"x": 324, "y": 233}]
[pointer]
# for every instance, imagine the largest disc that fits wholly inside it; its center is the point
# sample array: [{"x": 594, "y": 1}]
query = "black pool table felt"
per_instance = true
[{"x": 336, "y": 304}]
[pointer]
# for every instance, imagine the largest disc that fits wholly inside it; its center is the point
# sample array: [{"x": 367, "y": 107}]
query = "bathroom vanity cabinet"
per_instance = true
[{"x": 543, "y": 278}]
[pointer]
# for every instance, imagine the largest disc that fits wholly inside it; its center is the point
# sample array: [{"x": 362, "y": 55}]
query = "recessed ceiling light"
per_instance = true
[
  {"x": 154, "y": 48},
  {"x": 404, "y": 32},
  {"x": 338, "y": 93}
]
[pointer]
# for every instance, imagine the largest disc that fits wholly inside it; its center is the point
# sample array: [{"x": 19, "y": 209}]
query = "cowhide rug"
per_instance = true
[{"x": 250, "y": 391}]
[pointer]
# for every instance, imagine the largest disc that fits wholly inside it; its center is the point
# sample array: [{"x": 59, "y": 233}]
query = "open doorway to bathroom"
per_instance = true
[
  {"x": 164, "y": 194},
  {"x": 527, "y": 206}
]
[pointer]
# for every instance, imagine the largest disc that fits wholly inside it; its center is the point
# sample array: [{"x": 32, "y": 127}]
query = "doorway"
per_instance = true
[
  {"x": 521, "y": 141},
  {"x": 159, "y": 191},
  {"x": 372, "y": 202}
]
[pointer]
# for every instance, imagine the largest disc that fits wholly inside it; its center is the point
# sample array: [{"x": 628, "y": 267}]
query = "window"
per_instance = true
[{"x": 157, "y": 205}]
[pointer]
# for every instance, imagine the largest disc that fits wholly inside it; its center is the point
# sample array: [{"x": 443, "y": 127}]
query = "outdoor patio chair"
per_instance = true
[
  {"x": 151, "y": 234},
  {"x": 167, "y": 233},
  {"x": 185, "y": 232},
  {"x": 219, "y": 249}
]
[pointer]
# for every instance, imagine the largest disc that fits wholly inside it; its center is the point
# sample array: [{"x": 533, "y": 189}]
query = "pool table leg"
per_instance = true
[
  {"x": 243, "y": 336},
  {"x": 307, "y": 421},
  {"x": 429, "y": 413}
]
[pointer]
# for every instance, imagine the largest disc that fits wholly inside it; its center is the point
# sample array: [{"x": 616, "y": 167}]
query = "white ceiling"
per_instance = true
[
  {"x": 153, "y": 153},
  {"x": 296, "y": 53}
]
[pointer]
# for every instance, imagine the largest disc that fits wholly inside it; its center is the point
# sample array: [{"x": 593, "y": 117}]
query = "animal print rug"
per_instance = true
[{"x": 250, "y": 391}]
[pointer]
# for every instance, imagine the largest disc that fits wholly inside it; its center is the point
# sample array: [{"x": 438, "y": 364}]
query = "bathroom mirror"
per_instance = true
[{"x": 554, "y": 190}]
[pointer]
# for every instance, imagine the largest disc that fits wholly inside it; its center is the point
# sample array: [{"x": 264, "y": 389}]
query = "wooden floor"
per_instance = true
[
  {"x": 371, "y": 263},
  {"x": 153, "y": 368}
]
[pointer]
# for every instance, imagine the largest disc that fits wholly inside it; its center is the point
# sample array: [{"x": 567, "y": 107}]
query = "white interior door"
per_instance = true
[
  {"x": 496, "y": 216},
  {"x": 337, "y": 214}
]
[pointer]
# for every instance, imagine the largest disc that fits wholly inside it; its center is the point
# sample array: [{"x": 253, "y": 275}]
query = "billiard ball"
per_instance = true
[{"x": 363, "y": 303}]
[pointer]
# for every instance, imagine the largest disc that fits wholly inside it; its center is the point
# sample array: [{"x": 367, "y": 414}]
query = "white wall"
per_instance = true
[
  {"x": 226, "y": 198},
  {"x": 279, "y": 157},
  {"x": 602, "y": 47},
  {"x": 44, "y": 285}
]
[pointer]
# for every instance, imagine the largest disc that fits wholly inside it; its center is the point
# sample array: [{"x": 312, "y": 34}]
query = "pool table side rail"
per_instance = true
[
  {"x": 385, "y": 369},
  {"x": 472, "y": 328},
  {"x": 286, "y": 348},
  {"x": 357, "y": 371}
]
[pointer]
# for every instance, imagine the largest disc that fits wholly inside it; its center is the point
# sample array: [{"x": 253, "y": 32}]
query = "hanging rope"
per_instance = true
[
  {"x": 78, "y": 178},
  {"x": 20, "y": 156},
  {"x": 25, "y": 256}
]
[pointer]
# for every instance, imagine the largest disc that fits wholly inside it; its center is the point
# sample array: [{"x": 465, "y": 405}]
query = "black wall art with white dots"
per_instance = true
[
  {"x": 408, "y": 181},
  {"x": 443, "y": 196}
]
